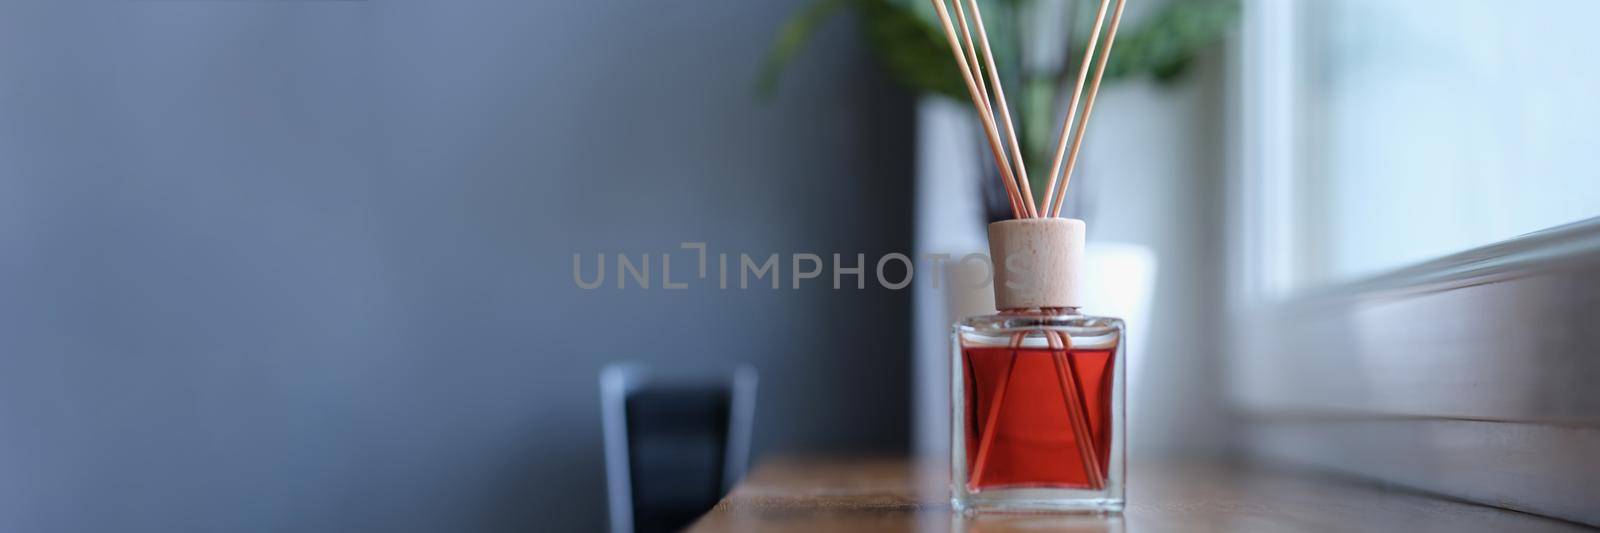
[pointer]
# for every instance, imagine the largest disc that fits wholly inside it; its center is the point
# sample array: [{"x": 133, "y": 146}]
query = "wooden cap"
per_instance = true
[{"x": 1036, "y": 262}]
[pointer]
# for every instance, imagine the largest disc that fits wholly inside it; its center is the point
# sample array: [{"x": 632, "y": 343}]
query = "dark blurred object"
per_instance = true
[{"x": 674, "y": 446}]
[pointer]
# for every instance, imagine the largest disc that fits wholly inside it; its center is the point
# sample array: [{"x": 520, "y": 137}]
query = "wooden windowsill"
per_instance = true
[{"x": 792, "y": 494}]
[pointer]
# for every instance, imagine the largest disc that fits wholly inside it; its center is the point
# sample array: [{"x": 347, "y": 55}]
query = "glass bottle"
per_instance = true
[{"x": 1037, "y": 394}]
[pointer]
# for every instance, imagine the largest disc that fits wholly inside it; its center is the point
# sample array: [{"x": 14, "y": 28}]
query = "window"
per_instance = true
[{"x": 1391, "y": 133}]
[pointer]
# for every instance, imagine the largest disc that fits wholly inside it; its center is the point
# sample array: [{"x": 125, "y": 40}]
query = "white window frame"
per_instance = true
[
  {"x": 1266, "y": 155},
  {"x": 1421, "y": 377}
]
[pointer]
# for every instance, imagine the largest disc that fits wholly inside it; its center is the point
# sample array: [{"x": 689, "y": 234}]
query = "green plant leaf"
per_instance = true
[
  {"x": 791, "y": 37},
  {"x": 913, "y": 52},
  {"x": 1168, "y": 42},
  {"x": 911, "y": 47}
]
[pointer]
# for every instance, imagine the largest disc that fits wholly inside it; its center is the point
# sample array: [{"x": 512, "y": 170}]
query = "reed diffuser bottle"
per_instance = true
[{"x": 1036, "y": 389}]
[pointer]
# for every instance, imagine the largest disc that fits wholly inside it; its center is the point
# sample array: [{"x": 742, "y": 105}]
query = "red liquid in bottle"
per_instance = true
[{"x": 1025, "y": 398}]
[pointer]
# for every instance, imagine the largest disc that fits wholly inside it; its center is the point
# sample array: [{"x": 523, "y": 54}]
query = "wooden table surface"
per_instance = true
[{"x": 899, "y": 495}]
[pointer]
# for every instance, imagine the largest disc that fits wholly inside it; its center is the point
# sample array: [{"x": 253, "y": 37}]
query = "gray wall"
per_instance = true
[{"x": 307, "y": 265}]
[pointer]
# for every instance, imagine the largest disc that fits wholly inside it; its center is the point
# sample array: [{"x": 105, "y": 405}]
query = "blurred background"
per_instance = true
[{"x": 309, "y": 265}]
